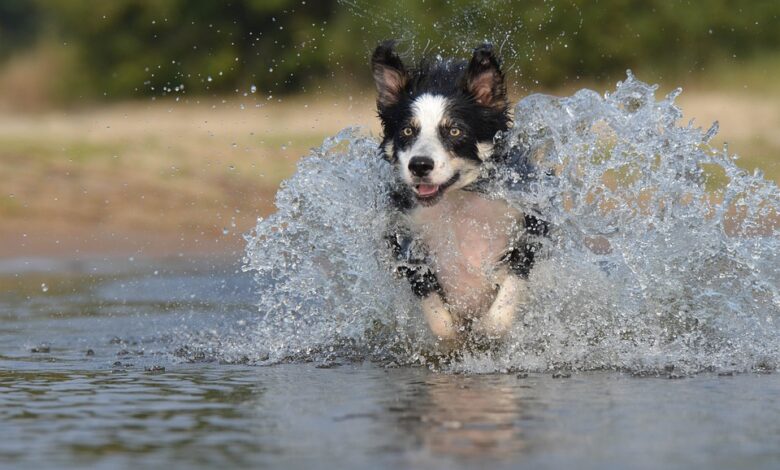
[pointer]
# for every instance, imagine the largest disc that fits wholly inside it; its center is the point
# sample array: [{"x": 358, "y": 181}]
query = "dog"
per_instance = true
[{"x": 467, "y": 256}]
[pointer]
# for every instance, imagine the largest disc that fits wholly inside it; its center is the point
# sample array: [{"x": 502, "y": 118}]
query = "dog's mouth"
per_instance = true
[
  {"x": 426, "y": 190},
  {"x": 428, "y": 194}
]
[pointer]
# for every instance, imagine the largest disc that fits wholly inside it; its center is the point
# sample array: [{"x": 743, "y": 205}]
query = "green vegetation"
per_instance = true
[
  {"x": 132, "y": 48},
  {"x": 219, "y": 99}
]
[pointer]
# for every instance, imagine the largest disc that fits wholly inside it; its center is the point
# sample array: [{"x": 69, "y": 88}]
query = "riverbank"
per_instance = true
[{"x": 166, "y": 177}]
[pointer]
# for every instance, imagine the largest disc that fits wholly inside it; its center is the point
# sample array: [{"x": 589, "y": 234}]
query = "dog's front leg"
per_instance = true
[
  {"x": 513, "y": 291},
  {"x": 439, "y": 319},
  {"x": 411, "y": 257},
  {"x": 426, "y": 286}
]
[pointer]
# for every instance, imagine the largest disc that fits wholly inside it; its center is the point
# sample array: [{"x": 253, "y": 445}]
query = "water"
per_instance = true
[
  {"x": 67, "y": 409},
  {"x": 651, "y": 339},
  {"x": 663, "y": 254}
]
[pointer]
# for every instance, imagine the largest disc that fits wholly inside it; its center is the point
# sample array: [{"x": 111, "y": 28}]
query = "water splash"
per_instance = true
[{"x": 663, "y": 253}]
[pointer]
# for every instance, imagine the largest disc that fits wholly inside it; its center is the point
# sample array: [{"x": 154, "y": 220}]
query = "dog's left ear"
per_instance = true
[
  {"x": 389, "y": 74},
  {"x": 484, "y": 79}
]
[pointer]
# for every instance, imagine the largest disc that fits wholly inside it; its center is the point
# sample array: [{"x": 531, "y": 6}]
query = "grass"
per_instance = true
[
  {"x": 748, "y": 123},
  {"x": 757, "y": 75},
  {"x": 169, "y": 176},
  {"x": 185, "y": 172}
]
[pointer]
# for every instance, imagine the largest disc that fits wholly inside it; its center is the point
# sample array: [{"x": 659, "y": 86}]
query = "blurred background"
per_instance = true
[{"x": 164, "y": 127}]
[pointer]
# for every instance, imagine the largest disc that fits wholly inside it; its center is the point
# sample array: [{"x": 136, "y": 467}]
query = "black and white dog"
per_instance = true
[{"x": 467, "y": 256}]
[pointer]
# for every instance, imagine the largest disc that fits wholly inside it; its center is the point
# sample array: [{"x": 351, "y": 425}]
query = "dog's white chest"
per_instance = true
[{"x": 467, "y": 235}]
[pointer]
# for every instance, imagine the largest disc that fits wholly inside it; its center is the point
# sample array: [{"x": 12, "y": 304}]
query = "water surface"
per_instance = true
[
  {"x": 115, "y": 407},
  {"x": 649, "y": 340}
]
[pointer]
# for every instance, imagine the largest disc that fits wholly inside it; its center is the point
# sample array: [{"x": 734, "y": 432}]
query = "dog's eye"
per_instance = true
[
  {"x": 407, "y": 131},
  {"x": 454, "y": 131}
]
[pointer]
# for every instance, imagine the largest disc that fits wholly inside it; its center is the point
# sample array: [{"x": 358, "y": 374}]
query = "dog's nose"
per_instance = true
[{"x": 420, "y": 166}]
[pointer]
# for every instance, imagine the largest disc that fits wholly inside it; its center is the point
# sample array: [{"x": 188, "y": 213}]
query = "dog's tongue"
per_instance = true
[{"x": 427, "y": 189}]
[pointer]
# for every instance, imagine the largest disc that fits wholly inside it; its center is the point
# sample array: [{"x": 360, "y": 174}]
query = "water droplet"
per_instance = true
[{"x": 620, "y": 171}]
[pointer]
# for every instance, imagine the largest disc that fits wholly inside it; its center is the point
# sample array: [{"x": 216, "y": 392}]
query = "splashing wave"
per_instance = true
[{"x": 663, "y": 253}]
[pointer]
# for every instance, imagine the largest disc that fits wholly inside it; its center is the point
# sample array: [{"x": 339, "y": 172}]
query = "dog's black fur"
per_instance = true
[{"x": 450, "y": 79}]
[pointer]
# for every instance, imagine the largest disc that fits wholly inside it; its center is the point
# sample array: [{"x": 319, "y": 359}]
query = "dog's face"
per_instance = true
[{"x": 439, "y": 120}]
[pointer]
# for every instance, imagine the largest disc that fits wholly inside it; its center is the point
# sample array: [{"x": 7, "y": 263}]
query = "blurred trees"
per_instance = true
[
  {"x": 19, "y": 22},
  {"x": 131, "y": 48},
  {"x": 127, "y": 47}
]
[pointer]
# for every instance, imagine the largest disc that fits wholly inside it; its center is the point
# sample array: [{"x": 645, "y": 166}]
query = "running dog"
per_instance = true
[{"x": 466, "y": 256}]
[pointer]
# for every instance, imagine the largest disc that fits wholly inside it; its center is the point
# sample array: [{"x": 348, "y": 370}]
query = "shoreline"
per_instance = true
[
  {"x": 67, "y": 243},
  {"x": 159, "y": 179}
]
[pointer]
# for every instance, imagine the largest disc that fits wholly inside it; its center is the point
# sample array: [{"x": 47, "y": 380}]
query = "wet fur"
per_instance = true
[{"x": 465, "y": 255}]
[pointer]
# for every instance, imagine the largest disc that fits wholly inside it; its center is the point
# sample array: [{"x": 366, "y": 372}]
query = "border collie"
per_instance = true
[{"x": 466, "y": 256}]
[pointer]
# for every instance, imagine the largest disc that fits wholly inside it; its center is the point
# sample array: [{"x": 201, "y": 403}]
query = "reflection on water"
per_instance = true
[
  {"x": 86, "y": 399},
  {"x": 363, "y": 416},
  {"x": 467, "y": 416}
]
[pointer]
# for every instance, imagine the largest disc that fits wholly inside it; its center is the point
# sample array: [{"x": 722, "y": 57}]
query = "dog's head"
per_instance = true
[{"x": 439, "y": 119}]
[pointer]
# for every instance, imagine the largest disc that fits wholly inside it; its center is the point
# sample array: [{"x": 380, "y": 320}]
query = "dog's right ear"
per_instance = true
[
  {"x": 484, "y": 79},
  {"x": 389, "y": 74}
]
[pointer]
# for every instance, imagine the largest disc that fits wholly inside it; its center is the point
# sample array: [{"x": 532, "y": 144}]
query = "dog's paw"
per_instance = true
[
  {"x": 439, "y": 319},
  {"x": 498, "y": 321},
  {"x": 492, "y": 328}
]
